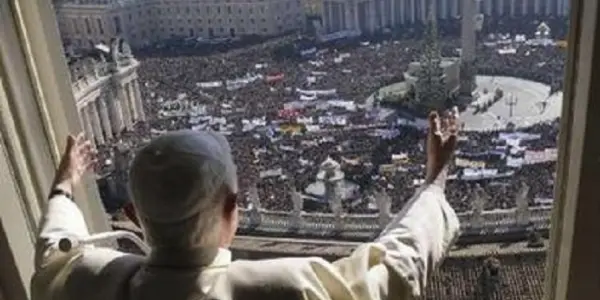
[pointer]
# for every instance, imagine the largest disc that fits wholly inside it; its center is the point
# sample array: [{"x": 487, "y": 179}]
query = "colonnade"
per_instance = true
[
  {"x": 370, "y": 15},
  {"x": 112, "y": 111}
]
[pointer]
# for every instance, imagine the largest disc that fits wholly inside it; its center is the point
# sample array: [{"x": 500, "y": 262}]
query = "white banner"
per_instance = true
[
  {"x": 271, "y": 173},
  {"x": 537, "y": 157},
  {"x": 210, "y": 84}
]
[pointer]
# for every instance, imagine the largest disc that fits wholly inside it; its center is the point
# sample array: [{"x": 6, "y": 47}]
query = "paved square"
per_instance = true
[{"x": 532, "y": 104}]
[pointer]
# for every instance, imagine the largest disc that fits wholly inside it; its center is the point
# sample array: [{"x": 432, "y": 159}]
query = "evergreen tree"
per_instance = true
[{"x": 430, "y": 87}]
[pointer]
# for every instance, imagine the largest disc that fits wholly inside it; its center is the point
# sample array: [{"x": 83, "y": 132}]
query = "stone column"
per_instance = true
[
  {"x": 393, "y": 13},
  {"x": 116, "y": 115},
  {"x": 549, "y": 6},
  {"x": 355, "y": 16},
  {"x": 565, "y": 7},
  {"x": 413, "y": 11},
  {"x": 513, "y": 8},
  {"x": 87, "y": 125},
  {"x": 402, "y": 8},
  {"x": 131, "y": 101},
  {"x": 372, "y": 16},
  {"x": 423, "y": 16},
  {"x": 138, "y": 100},
  {"x": 341, "y": 16},
  {"x": 468, "y": 45},
  {"x": 443, "y": 10},
  {"x": 453, "y": 8},
  {"x": 95, "y": 122},
  {"x": 104, "y": 117},
  {"x": 329, "y": 5},
  {"x": 537, "y": 5},
  {"x": 488, "y": 7},
  {"x": 383, "y": 21},
  {"x": 125, "y": 109},
  {"x": 348, "y": 24}
]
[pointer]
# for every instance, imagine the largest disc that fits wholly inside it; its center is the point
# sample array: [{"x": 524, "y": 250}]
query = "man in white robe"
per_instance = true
[{"x": 184, "y": 186}]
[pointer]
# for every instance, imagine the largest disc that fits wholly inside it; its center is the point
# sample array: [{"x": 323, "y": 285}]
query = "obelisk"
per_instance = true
[{"x": 467, "y": 57}]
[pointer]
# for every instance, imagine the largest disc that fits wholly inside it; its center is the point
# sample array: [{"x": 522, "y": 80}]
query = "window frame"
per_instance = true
[
  {"x": 36, "y": 112},
  {"x": 47, "y": 104},
  {"x": 52, "y": 97},
  {"x": 572, "y": 261}
]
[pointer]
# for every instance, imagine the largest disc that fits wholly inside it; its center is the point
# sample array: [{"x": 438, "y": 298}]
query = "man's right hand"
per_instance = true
[{"x": 441, "y": 142}]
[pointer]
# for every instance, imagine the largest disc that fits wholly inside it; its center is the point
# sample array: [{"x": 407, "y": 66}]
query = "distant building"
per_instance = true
[
  {"x": 371, "y": 15},
  {"x": 107, "y": 91},
  {"x": 85, "y": 23}
]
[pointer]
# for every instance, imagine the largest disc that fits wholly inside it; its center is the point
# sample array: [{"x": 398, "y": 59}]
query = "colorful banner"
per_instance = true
[
  {"x": 274, "y": 78},
  {"x": 288, "y": 113}
]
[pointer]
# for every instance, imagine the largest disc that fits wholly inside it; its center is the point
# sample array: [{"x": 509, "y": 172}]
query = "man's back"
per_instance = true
[
  {"x": 187, "y": 223},
  {"x": 395, "y": 266},
  {"x": 108, "y": 274}
]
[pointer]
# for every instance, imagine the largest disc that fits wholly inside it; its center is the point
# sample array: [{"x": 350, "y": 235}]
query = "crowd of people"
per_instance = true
[{"x": 283, "y": 117}]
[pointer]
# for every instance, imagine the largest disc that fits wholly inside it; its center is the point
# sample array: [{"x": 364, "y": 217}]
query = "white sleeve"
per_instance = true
[{"x": 62, "y": 219}]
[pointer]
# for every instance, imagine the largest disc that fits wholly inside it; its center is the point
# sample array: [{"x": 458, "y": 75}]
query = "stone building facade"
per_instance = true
[
  {"x": 107, "y": 92},
  {"x": 84, "y": 23},
  {"x": 370, "y": 15}
]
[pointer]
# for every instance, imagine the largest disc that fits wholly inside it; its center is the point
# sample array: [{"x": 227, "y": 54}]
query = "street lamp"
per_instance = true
[{"x": 511, "y": 101}]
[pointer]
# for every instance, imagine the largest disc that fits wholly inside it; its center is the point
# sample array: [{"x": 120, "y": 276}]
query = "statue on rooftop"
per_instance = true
[
  {"x": 102, "y": 58},
  {"x": 478, "y": 200},
  {"x": 114, "y": 49},
  {"x": 86, "y": 69},
  {"x": 522, "y": 202},
  {"x": 298, "y": 203},
  {"x": 384, "y": 204},
  {"x": 253, "y": 198},
  {"x": 126, "y": 49}
]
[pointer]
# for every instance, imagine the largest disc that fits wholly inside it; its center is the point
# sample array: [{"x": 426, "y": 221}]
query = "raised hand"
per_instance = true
[
  {"x": 79, "y": 157},
  {"x": 441, "y": 142}
]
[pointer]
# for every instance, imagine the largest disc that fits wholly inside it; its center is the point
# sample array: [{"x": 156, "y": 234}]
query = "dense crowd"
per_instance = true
[{"x": 284, "y": 117}]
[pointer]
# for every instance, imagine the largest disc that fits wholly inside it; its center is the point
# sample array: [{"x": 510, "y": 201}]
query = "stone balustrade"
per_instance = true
[{"x": 368, "y": 225}]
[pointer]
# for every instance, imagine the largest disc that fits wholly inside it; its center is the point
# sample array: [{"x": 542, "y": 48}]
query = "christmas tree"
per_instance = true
[{"x": 430, "y": 87}]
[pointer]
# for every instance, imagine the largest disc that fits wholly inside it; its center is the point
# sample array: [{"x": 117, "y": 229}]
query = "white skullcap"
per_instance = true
[{"x": 174, "y": 177}]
